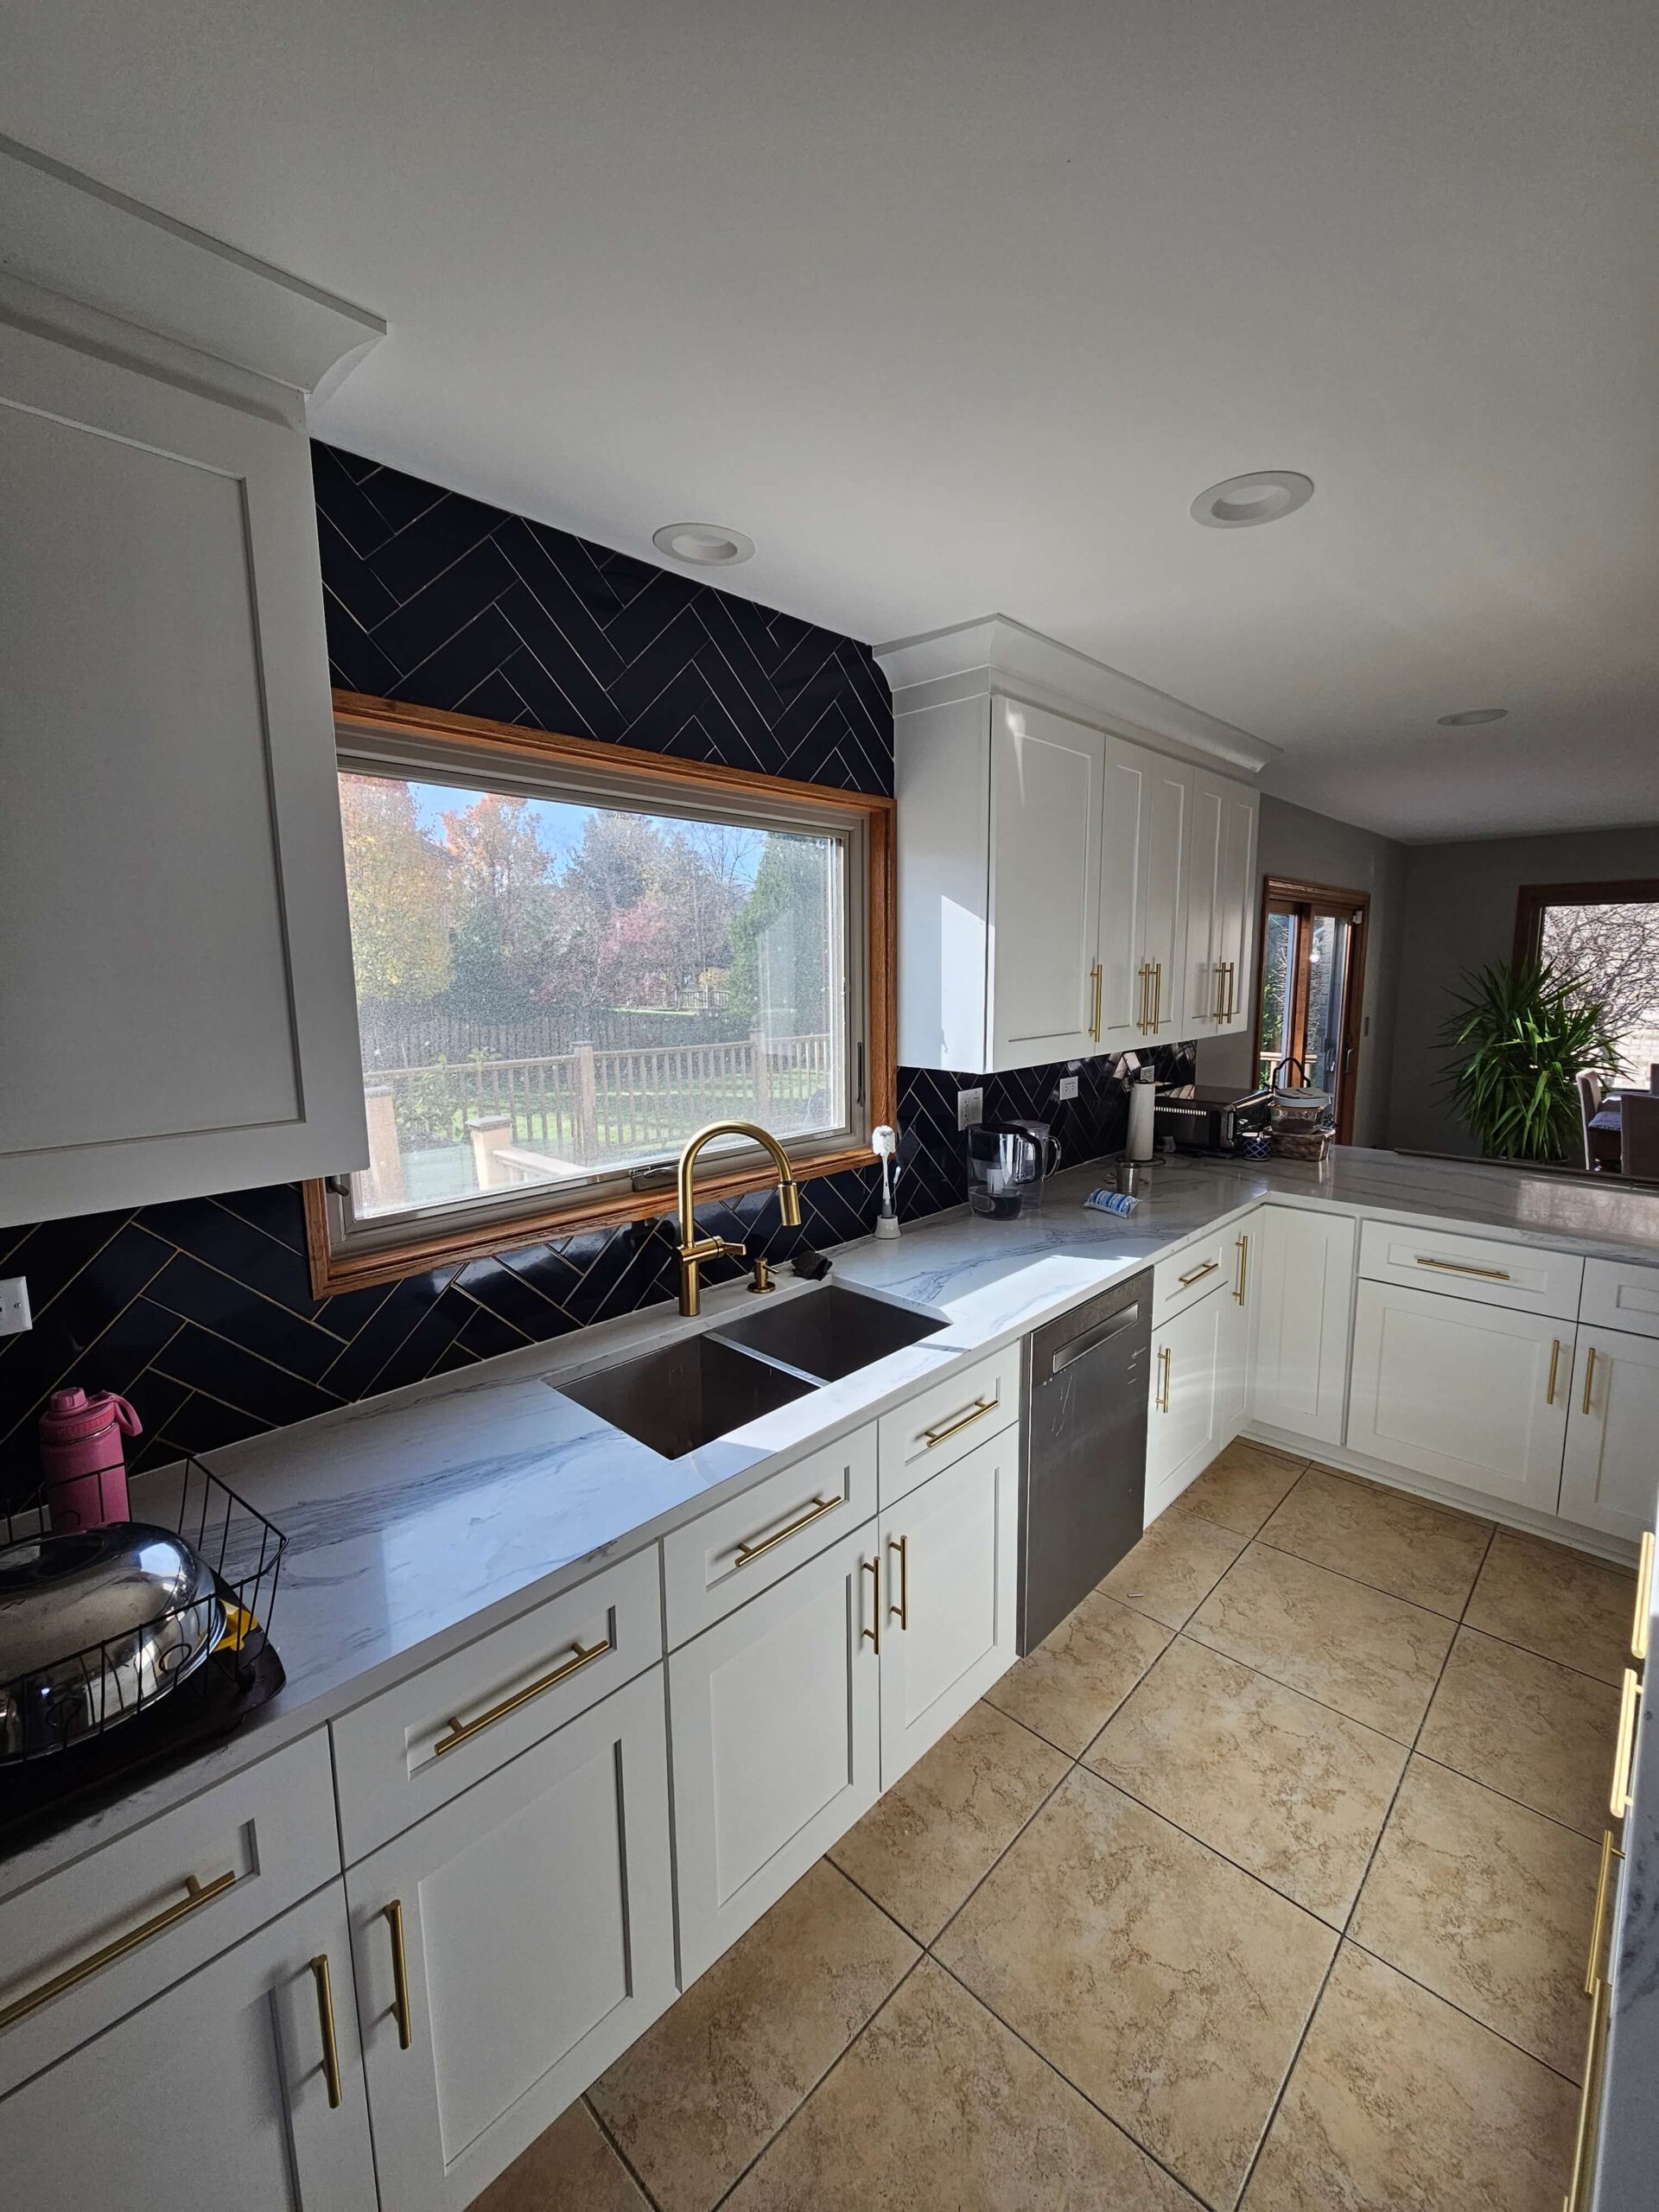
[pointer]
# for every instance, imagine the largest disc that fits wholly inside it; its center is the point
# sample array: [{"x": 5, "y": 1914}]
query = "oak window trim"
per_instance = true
[
  {"x": 1532, "y": 898},
  {"x": 335, "y": 1268}
]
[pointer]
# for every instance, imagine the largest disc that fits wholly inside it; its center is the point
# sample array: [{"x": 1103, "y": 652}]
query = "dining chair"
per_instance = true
[
  {"x": 1638, "y": 1116},
  {"x": 1589, "y": 1107}
]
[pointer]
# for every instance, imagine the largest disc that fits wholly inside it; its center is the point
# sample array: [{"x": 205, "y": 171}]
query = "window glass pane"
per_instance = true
[
  {"x": 546, "y": 989},
  {"x": 1327, "y": 962},
  {"x": 1615, "y": 949},
  {"x": 1278, "y": 961}
]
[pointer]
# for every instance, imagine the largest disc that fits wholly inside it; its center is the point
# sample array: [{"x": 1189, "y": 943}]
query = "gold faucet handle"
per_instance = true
[{"x": 763, "y": 1281}]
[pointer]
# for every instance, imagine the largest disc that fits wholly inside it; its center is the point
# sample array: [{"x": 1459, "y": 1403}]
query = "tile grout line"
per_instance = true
[{"x": 626, "y": 2164}]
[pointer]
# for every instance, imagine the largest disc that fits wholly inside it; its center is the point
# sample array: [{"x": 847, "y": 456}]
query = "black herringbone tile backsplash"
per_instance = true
[{"x": 201, "y": 1311}]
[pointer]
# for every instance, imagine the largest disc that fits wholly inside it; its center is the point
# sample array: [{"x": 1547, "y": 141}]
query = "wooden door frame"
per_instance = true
[{"x": 1295, "y": 891}]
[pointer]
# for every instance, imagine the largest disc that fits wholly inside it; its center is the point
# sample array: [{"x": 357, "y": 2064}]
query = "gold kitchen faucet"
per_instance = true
[{"x": 692, "y": 1249}]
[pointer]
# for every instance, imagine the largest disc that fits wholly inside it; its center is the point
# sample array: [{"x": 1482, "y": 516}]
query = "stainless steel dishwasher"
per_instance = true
[{"x": 1083, "y": 1478}]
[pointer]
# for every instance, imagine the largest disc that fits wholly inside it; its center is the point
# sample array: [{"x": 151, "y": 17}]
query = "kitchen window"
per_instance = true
[
  {"x": 1607, "y": 936},
  {"x": 1307, "y": 1028},
  {"x": 570, "y": 957}
]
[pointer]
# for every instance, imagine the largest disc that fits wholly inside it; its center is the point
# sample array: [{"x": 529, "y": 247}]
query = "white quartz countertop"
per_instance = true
[{"x": 419, "y": 1520}]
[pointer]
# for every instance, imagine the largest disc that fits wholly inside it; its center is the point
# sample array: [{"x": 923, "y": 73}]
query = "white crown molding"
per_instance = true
[
  {"x": 70, "y": 235},
  {"x": 996, "y": 654}
]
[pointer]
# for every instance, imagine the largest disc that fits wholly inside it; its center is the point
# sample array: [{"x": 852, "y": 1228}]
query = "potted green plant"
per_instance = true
[{"x": 1521, "y": 1036}]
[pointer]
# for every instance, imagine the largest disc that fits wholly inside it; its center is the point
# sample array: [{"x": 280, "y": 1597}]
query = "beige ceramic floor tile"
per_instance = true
[
  {"x": 568, "y": 2168},
  {"x": 921, "y": 1848},
  {"x": 1071, "y": 1685},
  {"x": 1557, "y": 1602},
  {"x": 1284, "y": 1788},
  {"x": 1489, "y": 1905},
  {"x": 1386, "y": 1537},
  {"x": 1398, "y": 2103},
  {"x": 1372, "y": 1657},
  {"x": 1536, "y": 1731},
  {"x": 938, "y": 2108},
  {"x": 1239, "y": 1490},
  {"x": 1167, "y": 1986},
  {"x": 1173, "y": 1567},
  {"x": 703, "y": 2090}
]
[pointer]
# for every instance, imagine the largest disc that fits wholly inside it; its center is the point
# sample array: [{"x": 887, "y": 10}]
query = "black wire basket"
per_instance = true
[{"x": 67, "y": 1713}]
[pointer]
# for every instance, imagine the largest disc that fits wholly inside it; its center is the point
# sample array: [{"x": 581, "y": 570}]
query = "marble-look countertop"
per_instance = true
[{"x": 420, "y": 1520}]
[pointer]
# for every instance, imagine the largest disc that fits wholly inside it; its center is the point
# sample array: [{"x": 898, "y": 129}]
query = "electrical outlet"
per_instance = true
[
  {"x": 1068, "y": 1086},
  {"x": 15, "y": 1316},
  {"x": 970, "y": 1108}
]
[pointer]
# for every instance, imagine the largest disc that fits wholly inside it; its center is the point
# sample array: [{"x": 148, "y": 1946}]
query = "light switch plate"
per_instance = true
[
  {"x": 1068, "y": 1086},
  {"x": 970, "y": 1108},
  {"x": 15, "y": 1316}
]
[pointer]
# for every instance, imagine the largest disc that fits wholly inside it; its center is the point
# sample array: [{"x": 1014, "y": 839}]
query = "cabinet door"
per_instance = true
[
  {"x": 1610, "y": 1476},
  {"x": 537, "y": 1942},
  {"x": 1185, "y": 1419},
  {"x": 1125, "y": 842},
  {"x": 1045, "y": 875},
  {"x": 1474, "y": 1394},
  {"x": 1237, "y": 1332},
  {"x": 1164, "y": 874},
  {"x": 171, "y": 806},
  {"x": 948, "y": 1597},
  {"x": 775, "y": 1714},
  {"x": 1305, "y": 1264},
  {"x": 216, "y": 2092},
  {"x": 1221, "y": 908}
]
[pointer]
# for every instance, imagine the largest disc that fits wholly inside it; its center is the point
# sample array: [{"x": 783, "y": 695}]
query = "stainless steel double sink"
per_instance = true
[{"x": 705, "y": 1386}]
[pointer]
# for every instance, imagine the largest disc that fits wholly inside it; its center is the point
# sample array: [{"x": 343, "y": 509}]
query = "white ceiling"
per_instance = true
[{"x": 957, "y": 307}]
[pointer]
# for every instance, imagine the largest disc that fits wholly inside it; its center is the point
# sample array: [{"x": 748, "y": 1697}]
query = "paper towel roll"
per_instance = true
[{"x": 1139, "y": 1146}]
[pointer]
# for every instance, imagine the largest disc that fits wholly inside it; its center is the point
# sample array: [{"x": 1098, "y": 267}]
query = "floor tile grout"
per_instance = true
[
  {"x": 626, "y": 2164},
  {"x": 1441, "y": 1998}
]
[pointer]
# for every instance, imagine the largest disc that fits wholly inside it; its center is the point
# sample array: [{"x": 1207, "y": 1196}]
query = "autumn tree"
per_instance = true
[{"x": 399, "y": 886}]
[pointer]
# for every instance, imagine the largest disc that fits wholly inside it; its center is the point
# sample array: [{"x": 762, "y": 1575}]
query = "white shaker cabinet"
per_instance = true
[
  {"x": 1163, "y": 938},
  {"x": 1221, "y": 908},
  {"x": 510, "y": 1946},
  {"x": 1044, "y": 884},
  {"x": 1305, "y": 1273},
  {"x": 1236, "y": 1349},
  {"x": 948, "y": 1552},
  {"x": 177, "y": 998},
  {"x": 242, "y": 2085},
  {"x": 1472, "y": 1394},
  {"x": 1185, "y": 1421},
  {"x": 1610, "y": 1476}
]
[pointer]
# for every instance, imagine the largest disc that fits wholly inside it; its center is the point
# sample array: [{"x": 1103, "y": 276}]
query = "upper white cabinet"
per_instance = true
[
  {"x": 176, "y": 996},
  {"x": 1064, "y": 888},
  {"x": 1305, "y": 1274}
]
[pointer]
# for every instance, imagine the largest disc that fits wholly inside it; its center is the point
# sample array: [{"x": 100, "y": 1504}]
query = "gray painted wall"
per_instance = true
[
  {"x": 1460, "y": 913},
  {"x": 1295, "y": 843}
]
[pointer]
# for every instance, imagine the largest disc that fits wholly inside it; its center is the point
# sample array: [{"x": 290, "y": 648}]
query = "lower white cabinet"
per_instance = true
[
  {"x": 1305, "y": 1264},
  {"x": 508, "y": 1947},
  {"x": 1237, "y": 1334},
  {"x": 218, "y": 2092},
  {"x": 1184, "y": 1426},
  {"x": 775, "y": 1718},
  {"x": 948, "y": 1597},
  {"x": 1610, "y": 1474},
  {"x": 1470, "y": 1393}
]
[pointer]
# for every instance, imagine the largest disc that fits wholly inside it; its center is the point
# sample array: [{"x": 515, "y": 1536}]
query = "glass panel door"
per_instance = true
[{"x": 1311, "y": 978}]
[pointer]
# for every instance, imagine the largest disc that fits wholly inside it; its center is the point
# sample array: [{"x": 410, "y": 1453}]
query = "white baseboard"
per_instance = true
[{"x": 1550, "y": 1526}]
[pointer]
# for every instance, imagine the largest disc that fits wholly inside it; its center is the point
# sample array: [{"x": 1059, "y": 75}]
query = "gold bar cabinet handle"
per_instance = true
[
  {"x": 946, "y": 1430},
  {"x": 325, "y": 2022},
  {"x": 1163, "y": 1383},
  {"x": 872, "y": 1566},
  {"x": 462, "y": 1732},
  {"x": 747, "y": 1554},
  {"x": 1157, "y": 996},
  {"x": 1198, "y": 1274},
  {"x": 393, "y": 1916},
  {"x": 1232, "y": 989},
  {"x": 1610, "y": 1851},
  {"x": 1589, "y": 1379},
  {"x": 901, "y": 1612},
  {"x": 1578, "y": 2195},
  {"x": 1098, "y": 973},
  {"x": 1242, "y": 1246},
  {"x": 1629, "y": 1701},
  {"x": 1554, "y": 1370},
  {"x": 1218, "y": 1012},
  {"x": 1643, "y": 1616},
  {"x": 1462, "y": 1267},
  {"x": 196, "y": 1894},
  {"x": 1142, "y": 997}
]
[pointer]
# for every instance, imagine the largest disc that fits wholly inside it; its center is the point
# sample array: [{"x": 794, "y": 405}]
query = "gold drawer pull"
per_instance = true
[
  {"x": 1578, "y": 2195},
  {"x": 197, "y": 1894},
  {"x": 393, "y": 1916},
  {"x": 325, "y": 2022},
  {"x": 1554, "y": 1370},
  {"x": 1642, "y": 1621},
  {"x": 942, "y": 1433},
  {"x": 901, "y": 1612},
  {"x": 1198, "y": 1274},
  {"x": 1610, "y": 1851},
  {"x": 747, "y": 1553},
  {"x": 1243, "y": 1245},
  {"x": 1629, "y": 1701},
  {"x": 873, "y": 1635},
  {"x": 1462, "y": 1267},
  {"x": 461, "y": 1730},
  {"x": 1589, "y": 1378}
]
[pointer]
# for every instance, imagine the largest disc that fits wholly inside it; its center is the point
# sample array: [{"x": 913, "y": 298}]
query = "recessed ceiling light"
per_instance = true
[
  {"x": 707, "y": 544},
  {"x": 1472, "y": 717},
  {"x": 1242, "y": 501}
]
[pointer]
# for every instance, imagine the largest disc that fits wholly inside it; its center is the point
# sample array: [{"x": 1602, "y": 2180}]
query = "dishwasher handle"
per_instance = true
[{"x": 1080, "y": 1347}]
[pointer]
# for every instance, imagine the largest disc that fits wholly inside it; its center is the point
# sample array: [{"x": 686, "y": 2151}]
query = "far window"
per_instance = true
[
  {"x": 1607, "y": 936},
  {"x": 565, "y": 966}
]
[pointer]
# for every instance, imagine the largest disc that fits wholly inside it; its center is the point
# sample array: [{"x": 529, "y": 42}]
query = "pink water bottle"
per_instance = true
[{"x": 84, "y": 1458}]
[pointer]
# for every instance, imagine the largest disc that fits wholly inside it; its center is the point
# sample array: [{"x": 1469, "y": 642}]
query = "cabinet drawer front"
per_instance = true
[
  {"x": 1479, "y": 1267},
  {"x": 421, "y": 1743},
  {"x": 1209, "y": 1264},
  {"x": 746, "y": 1545},
  {"x": 939, "y": 1425},
  {"x": 127, "y": 1922},
  {"x": 1620, "y": 1296}
]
